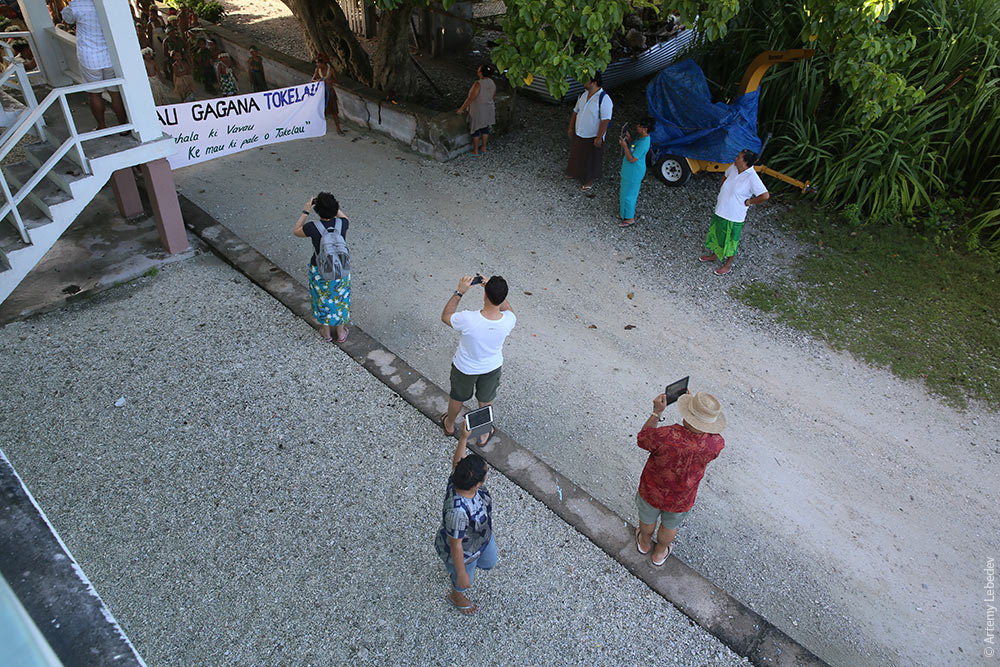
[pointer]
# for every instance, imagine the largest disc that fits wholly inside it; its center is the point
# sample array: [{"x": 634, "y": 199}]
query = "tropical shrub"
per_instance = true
[
  {"x": 901, "y": 165},
  {"x": 208, "y": 10}
]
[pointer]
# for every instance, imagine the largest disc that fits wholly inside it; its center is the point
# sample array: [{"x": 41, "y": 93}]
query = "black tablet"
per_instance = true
[{"x": 676, "y": 389}]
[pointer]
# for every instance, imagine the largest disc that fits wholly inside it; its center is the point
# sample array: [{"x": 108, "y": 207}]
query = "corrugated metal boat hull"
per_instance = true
[{"x": 624, "y": 70}]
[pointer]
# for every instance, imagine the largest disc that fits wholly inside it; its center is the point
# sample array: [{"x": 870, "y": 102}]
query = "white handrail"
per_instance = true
[
  {"x": 18, "y": 223},
  {"x": 10, "y": 71},
  {"x": 37, "y": 177},
  {"x": 28, "y": 37},
  {"x": 15, "y": 133},
  {"x": 16, "y": 68}
]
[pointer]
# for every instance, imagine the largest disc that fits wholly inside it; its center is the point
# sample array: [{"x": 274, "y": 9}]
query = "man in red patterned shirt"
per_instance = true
[{"x": 678, "y": 455}]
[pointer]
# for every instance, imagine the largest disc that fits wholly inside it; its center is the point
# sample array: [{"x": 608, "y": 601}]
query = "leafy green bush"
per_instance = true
[
  {"x": 901, "y": 166},
  {"x": 209, "y": 10}
]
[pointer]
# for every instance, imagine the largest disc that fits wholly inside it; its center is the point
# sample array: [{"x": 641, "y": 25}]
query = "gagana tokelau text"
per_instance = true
[{"x": 237, "y": 106}]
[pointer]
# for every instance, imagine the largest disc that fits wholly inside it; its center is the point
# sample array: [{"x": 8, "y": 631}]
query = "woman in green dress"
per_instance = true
[{"x": 633, "y": 169}]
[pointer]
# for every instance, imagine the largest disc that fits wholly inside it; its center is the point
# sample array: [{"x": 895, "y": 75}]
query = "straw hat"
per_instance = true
[{"x": 702, "y": 411}]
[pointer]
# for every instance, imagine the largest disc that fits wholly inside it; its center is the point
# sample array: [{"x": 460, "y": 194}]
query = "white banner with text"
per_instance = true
[{"x": 225, "y": 125}]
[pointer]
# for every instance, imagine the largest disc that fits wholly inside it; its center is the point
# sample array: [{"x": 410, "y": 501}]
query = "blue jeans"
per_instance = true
[{"x": 485, "y": 561}]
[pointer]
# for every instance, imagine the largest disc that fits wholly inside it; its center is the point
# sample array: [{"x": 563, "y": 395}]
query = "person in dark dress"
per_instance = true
[{"x": 255, "y": 66}]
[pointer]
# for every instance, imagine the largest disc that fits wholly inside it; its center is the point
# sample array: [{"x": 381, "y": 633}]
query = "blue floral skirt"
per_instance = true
[{"x": 331, "y": 299}]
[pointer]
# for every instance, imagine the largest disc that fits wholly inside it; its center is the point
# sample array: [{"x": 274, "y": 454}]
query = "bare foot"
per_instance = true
[
  {"x": 707, "y": 258},
  {"x": 723, "y": 270},
  {"x": 462, "y": 603},
  {"x": 627, "y": 223}
]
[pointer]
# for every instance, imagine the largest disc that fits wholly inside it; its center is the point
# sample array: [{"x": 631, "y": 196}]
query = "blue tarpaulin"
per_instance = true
[{"x": 689, "y": 124}]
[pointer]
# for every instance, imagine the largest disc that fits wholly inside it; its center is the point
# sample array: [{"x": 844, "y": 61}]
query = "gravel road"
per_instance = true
[
  {"x": 260, "y": 499},
  {"x": 817, "y": 512}
]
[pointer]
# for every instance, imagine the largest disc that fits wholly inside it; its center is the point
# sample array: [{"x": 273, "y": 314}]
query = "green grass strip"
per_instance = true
[{"x": 922, "y": 308}]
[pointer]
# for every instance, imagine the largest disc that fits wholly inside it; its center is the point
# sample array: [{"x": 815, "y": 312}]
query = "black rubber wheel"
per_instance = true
[
  {"x": 673, "y": 170},
  {"x": 652, "y": 155}
]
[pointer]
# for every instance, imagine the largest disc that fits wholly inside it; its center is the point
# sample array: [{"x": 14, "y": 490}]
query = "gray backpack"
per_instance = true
[{"x": 333, "y": 261}]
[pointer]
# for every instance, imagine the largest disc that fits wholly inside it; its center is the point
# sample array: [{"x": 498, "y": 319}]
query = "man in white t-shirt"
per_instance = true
[
  {"x": 476, "y": 366},
  {"x": 587, "y": 127},
  {"x": 741, "y": 189}
]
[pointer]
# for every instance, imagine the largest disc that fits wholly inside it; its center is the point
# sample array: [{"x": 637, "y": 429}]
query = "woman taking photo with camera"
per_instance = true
[{"x": 331, "y": 296}]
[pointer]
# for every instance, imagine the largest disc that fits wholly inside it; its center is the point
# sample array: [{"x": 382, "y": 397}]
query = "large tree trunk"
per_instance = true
[
  {"x": 394, "y": 71},
  {"x": 326, "y": 31}
]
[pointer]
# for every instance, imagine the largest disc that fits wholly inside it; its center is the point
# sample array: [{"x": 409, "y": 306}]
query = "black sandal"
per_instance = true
[{"x": 488, "y": 438}]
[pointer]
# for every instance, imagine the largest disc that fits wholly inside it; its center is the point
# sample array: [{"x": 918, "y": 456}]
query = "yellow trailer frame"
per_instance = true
[
  {"x": 751, "y": 82},
  {"x": 697, "y": 166}
]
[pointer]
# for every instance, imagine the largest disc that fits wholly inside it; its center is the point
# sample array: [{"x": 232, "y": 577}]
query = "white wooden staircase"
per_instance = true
[{"x": 61, "y": 172}]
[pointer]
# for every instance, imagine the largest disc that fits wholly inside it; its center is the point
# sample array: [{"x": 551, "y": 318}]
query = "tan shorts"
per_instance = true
[{"x": 91, "y": 75}]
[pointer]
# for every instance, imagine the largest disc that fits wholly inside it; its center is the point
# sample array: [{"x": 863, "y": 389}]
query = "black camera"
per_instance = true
[{"x": 478, "y": 280}]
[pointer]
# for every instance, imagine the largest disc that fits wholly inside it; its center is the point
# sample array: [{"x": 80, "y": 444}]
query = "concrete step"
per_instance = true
[
  {"x": 10, "y": 239},
  {"x": 62, "y": 174},
  {"x": 56, "y": 133},
  {"x": 42, "y": 205},
  {"x": 53, "y": 189}
]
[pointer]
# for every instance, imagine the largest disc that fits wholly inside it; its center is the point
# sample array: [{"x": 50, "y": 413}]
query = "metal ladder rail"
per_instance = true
[
  {"x": 16, "y": 68},
  {"x": 74, "y": 141}
]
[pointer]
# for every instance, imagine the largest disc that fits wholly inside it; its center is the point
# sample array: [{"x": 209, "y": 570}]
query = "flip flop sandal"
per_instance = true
[
  {"x": 342, "y": 339},
  {"x": 467, "y": 610},
  {"x": 702, "y": 259},
  {"x": 639, "y": 548},
  {"x": 488, "y": 438},
  {"x": 720, "y": 272},
  {"x": 441, "y": 424},
  {"x": 626, "y": 224},
  {"x": 670, "y": 550}
]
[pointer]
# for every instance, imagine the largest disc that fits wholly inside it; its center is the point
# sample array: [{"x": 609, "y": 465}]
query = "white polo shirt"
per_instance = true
[
  {"x": 91, "y": 48},
  {"x": 736, "y": 189},
  {"x": 589, "y": 115}
]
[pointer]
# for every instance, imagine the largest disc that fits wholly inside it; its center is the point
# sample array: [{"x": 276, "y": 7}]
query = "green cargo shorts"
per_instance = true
[
  {"x": 649, "y": 514},
  {"x": 485, "y": 386}
]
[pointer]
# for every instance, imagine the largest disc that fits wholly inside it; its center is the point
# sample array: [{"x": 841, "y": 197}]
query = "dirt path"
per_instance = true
[{"x": 852, "y": 509}]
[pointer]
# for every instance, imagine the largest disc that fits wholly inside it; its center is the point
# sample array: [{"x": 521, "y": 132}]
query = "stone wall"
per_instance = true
[{"x": 438, "y": 134}]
